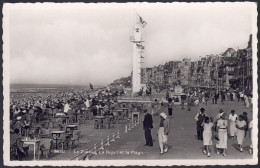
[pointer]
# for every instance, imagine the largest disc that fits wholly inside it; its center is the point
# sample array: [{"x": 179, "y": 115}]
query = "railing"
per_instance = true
[{"x": 100, "y": 146}]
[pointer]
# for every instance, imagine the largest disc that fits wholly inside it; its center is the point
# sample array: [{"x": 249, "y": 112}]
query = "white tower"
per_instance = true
[{"x": 138, "y": 50}]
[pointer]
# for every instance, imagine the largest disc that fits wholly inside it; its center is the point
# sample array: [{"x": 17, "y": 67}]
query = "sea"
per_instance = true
[{"x": 18, "y": 91}]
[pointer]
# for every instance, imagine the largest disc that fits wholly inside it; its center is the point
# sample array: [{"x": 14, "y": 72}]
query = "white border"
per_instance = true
[{"x": 187, "y": 162}]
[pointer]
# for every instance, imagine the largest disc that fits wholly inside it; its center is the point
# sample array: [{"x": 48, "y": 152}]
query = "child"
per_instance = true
[{"x": 207, "y": 135}]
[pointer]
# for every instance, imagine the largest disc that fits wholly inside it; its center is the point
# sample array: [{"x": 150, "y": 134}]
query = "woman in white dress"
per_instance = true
[
  {"x": 163, "y": 132},
  {"x": 232, "y": 124},
  {"x": 241, "y": 125},
  {"x": 207, "y": 135},
  {"x": 222, "y": 134}
]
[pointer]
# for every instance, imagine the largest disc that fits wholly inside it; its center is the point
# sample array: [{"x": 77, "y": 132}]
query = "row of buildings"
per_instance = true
[{"x": 231, "y": 69}]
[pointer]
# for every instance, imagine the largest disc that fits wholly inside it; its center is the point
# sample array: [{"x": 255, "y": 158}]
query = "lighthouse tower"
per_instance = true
[{"x": 138, "y": 50}]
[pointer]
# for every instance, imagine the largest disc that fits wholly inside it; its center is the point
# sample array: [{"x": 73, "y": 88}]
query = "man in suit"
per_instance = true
[{"x": 148, "y": 125}]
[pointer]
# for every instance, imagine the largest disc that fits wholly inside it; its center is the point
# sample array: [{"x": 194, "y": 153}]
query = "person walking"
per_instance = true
[
  {"x": 207, "y": 135},
  {"x": 163, "y": 132},
  {"x": 232, "y": 124},
  {"x": 246, "y": 120},
  {"x": 217, "y": 117},
  {"x": 167, "y": 95},
  {"x": 189, "y": 103},
  {"x": 147, "y": 126},
  {"x": 231, "y": 96},
  {"x": 216, "y": 96},
  {"x": 183, "y": 97},
  {"x": 246, "y": 101},
  {"x": 241, "y": 126},
  {"x": 222, "y": 96},
  {"x": 238, "y": 96},
  {"x": 222, "y": 134},
  {"x": 200, "y": 117},
  {"x": 170, "y": 105}
]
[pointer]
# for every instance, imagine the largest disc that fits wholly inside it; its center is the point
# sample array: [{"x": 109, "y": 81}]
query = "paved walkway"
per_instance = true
[{"x": 182, "y": 138}]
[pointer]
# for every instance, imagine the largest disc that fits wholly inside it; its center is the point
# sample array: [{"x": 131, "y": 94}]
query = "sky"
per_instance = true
[{"x": 80, "y": 43}]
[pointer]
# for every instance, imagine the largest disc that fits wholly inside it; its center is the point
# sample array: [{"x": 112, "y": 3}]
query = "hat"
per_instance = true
[
  {"x": 163, "y": 115},
  {"x": 24, "y": 111},
  {"x": 19, "y": 118},
  {"x": 221, "y": 110},
  {"x": 202, "y": 109}
]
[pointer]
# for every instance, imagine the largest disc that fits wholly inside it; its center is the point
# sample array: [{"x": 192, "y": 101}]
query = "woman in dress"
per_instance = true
[
  {"x": 163, "y": 132},
  {"x": 232, "y": 124},
  {"x": 240, "y": 125},
  {"x": 207, "y": 135},
  {"x": 222, "y": 134}
]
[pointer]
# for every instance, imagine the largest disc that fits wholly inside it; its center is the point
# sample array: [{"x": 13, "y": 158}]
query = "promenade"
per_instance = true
[{"x": 182, "y": 138}]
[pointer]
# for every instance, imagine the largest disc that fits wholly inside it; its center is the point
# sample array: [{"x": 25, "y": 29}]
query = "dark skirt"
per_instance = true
[{"x": 170, "y": 111}]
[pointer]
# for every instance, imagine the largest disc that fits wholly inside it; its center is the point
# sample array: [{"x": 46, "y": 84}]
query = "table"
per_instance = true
[
  {"x": 33, "y": 142},
  {"x": 71, "y": 128},
  {"x": 99, "y": 120},
  {"x": 57, "y": 133}
]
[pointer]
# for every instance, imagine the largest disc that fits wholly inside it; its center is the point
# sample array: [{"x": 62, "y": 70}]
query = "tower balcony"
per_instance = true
[{"x": 132, "y": 39}]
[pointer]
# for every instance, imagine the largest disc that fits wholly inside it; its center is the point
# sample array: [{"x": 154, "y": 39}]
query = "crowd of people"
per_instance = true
[
  {"x": 28, "y": 112},
  {"x": 221, "y": 127},
  {"x": 195, "y": 96}
]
